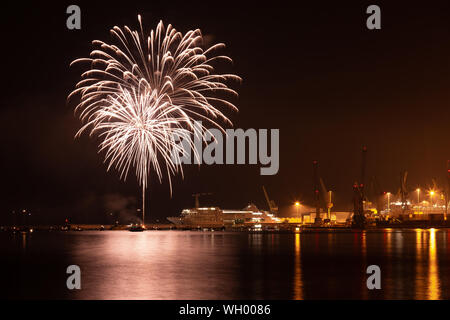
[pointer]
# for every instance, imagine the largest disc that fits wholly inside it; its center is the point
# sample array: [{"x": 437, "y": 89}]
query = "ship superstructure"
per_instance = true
[{"x": 214, "y": 217}]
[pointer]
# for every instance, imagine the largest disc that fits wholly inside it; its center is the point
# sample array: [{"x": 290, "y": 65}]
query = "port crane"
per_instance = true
[
  {"x": 273, "y": 208},
  {"x": 359, "y": 196},
  {"x": 326, "y": 195},
  {"x": 316, "y": 182},
  {"x": 404, "y": 190},
  {"x": 376, "y": 193},
  {"x": 197, "y": 196}
]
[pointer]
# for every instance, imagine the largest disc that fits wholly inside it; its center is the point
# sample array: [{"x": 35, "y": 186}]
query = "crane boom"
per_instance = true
[
  {"x": 377, "y": 193},
  {"x": 358, "y": 195},
  {"x": 324, "y": 189},
  {"x": 316, "y": 183},
  {"x": 326, "y": 195},
  {"x": 404, "y": 190},
  {"x": 267, "y": 197},
  {"x": 363, "y": 172},
  {"x": 272, "y": 206}
]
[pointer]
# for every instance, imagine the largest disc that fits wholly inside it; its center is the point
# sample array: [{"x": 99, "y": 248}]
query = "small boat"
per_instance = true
[{"x": 137, "y": 228}]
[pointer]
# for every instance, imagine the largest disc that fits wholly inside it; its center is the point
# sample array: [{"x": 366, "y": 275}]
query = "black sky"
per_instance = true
[{"x": 312, "y": 70}]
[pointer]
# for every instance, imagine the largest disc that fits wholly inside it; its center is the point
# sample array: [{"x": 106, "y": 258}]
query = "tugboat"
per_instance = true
[{"x": 137, "y": 228}]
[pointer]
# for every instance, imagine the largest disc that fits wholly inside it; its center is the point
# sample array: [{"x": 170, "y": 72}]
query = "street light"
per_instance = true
[
  {"x": 418, "y": 196},
  {"x": 432, "y": 193},
  {"x": 389, "y": 201},
  {"x": 297, "y": 205}
]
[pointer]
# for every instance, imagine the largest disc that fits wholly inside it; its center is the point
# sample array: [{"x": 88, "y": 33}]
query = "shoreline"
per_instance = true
[{"x": 245, "y": 229}]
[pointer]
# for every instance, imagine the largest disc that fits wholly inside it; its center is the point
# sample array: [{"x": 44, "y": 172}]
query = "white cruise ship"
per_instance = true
[{"x": 213, "y": 217}]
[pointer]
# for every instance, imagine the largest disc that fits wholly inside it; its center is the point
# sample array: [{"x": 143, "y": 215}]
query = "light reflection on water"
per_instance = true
[
  {"x": 420, "y": 283},
  {"x": 433, "y": 275},
  {"x": 224, "y": 265},
  {"x": 154, "y": 265},
  {"x": 427, "y": 271},
  {"x": 298, "y": 285}
]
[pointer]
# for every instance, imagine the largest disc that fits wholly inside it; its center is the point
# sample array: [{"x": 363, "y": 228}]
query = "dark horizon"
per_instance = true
[{"x": 313, "y": 71}]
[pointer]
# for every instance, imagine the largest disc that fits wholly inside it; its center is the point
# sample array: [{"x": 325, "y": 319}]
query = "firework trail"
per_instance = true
[{"x": 143, "y": 91}]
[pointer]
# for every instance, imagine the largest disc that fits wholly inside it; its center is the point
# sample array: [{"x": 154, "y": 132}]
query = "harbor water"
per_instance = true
[{"x": 414, "y": 264}]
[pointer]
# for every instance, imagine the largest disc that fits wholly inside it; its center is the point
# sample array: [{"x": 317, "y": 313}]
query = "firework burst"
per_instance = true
[{"x": 145, "y": 90}]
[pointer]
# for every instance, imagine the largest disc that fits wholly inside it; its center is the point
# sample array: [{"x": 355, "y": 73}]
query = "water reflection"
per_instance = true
[
  {"x": 221, "y": 265},
  {"x": 387, "y": 270},
  {"x": 419, "y": 280},
  {"x": 24, "y": 241},
  {"x": 156, "y": 265},
  {"x": 363, "y": 244},
  {"x": 364, "y": 263},
  {"x": 255, "y": 241},
  {"x": 397, "y": 288},
  {"x": 298, "y": 285},
  {"x": 388, "y": 243},
  {"x": 433, "y": 275},
  {"x": 427, "y": 270},
  {"x": 257, "y": 274}
]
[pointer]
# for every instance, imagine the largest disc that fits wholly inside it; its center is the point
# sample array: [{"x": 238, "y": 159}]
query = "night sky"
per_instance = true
[{"x": 314, "y": 71}]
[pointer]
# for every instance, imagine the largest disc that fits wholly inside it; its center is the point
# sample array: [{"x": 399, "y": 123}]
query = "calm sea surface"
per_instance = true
[{"x": 415, "y": 264}]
